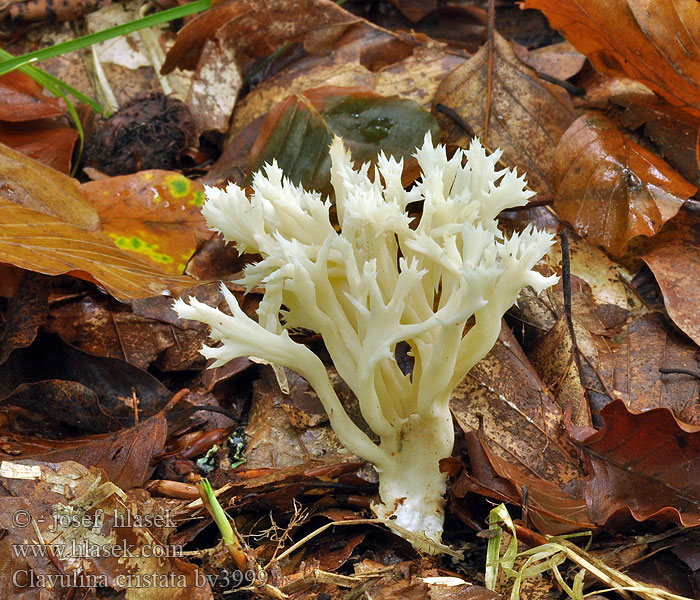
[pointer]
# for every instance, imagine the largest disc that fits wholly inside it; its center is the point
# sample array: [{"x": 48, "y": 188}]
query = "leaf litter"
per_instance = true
[{"x": 581, "y": 418}]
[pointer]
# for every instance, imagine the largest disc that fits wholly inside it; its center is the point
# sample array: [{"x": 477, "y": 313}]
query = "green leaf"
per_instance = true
[{"x": 298, "y": 131}]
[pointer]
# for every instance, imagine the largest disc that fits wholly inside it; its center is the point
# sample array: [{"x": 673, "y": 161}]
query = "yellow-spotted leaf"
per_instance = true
[
  {"x": 39, "y": 242},
  {"x": 155, "y": 215}
]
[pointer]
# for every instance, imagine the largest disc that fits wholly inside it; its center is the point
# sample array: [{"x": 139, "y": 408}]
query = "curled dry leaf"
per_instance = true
[
  {"x": 26, "y": 313},
  {"x": 125, "y": 455},
  {"x": 259, "y": 28},
  {"x": 506, "y": 398},
  {"x": 520, "y": 438},
  {"x": 408, "y": 66},
  {"x": 93, "y": 394},
  {"x": 29, "y": 124},
  {"x": 674, "y": 258},
  {"x": 673, "y": 130},
  {"x": 611, "y": 189},
  {"x": 556, "y": 60},
  {"x": 23, "y": 99},
  {"x": 46, "y": 141},
  {"x": 528, "y": 115},
  {"x": 653, "y": 42}
]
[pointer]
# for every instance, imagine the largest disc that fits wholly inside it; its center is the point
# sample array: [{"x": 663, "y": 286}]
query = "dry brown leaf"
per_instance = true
[
  {"x": 673, "y": 131},
  {"x": 272, "y": 439},
  {"x": 40, "y": 242},
  {"x": 125, "y": 455},
  {"x": 674, "y": 258},
  {"x": 653, "y": 42},
  {"x": 49, "y": 142},
  {"x": 528, "y": 116},
  {"x": 556, "y": 60},
  {"x": 646, "y": 465},
  {"x": 257, "y": 29},
  {"x": 409, "y": 67},
  {"x": 28, "y": 183},
  {"x": 610, "y": 188},
  {"x": 95, "y": 324},
  {"x": 521, "y": 421},
  {"x": 645, "y": 346}
]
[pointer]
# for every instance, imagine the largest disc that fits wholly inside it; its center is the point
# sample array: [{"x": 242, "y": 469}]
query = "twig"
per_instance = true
[
  {"x": 457, "y": 118},
  {"x": 569, "y": 87},
  {"x": 680, "y": 370},
  {"x": 566, "y": 286},
  {"x": 489, "y": 67}
]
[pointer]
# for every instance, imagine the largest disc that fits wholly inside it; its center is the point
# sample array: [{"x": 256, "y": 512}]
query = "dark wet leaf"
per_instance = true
[
  {"x": 26, "y": 313},
  {"x": 91, "y": 393},
  {"x": 299, "y": 130}
]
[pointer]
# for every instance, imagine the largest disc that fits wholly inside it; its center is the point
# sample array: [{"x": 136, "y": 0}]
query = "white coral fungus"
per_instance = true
[{"x": 378, "y": 281}]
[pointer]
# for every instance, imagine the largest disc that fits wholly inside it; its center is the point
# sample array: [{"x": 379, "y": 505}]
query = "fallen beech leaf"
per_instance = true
[
  {"x": 611, "y": 189},
  {"x": 645, "y": 464},
  {"x": 674, "y": 258},
  {"x": 156, "y": 215},
  {"x": 298, "y": 131},
  {"x": 521, "y": 421},
  {"x": 550, "y": 509},
  {"x": 556, "y": 60},
  {"x": 521, "y": 438},
  {"x": 646, "y": 345},
  {"x": 48, "y": 142},
  {"x": 26, "y": 312},
  {"x": 415, "y": 10},
  {"x": 258, "y": 29},
  {"x": 125, "y": 455},
  {"x": 528, "y": 116},
  {"x": 673, "y": 131},
  {"x": 23, "y": 99},
  {"x": 101, "y": 326},
  {"x": 460, "y": 26},
  {"x": 94, "y": 394},
  {"x": 40, "y": 242},
  {"x": 273, "y": 441},
  {"x": 28, "y": 183},
  {"x": 652, "y": 42}
]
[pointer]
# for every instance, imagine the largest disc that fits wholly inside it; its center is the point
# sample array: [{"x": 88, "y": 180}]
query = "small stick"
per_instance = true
[
  {"x": 457, "y": 118},
  {"x": 489, "y": 67},
  {"x": 680, "y": 370}
]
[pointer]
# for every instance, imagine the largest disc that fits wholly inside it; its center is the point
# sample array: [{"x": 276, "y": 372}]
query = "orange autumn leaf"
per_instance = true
[
  {"x": 154, "y": 215},
  {"x": 655, "y": 43},
  {"x": 44, "y": 140},
  {"x": 611, "y": 189},
  {"x": 23, "y": 99},
  {"x": 674, "y": 258}
]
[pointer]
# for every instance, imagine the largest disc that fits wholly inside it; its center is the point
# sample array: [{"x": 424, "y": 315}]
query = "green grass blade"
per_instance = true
[{"x": 93, "y": 38}]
